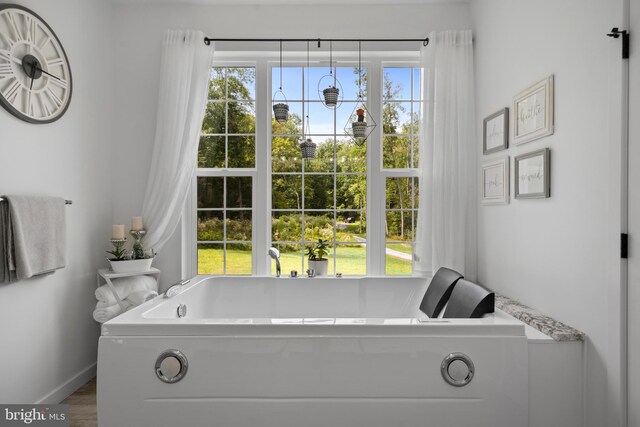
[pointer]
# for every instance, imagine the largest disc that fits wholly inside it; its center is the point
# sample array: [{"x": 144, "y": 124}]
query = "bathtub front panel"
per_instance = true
[{"x": 313, "y": 381}]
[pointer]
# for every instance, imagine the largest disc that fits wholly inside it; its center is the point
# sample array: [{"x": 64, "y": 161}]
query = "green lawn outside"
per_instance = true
[
  {"x": 349, "y": 261},
  {"x": 405, "y": 248}
]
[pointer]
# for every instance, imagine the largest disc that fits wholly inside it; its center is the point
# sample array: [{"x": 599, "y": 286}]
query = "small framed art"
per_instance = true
[
  {"x": 533, "y": 174},
  {"x": 495, "y": 132},
  {"x": 533, "y": 112},
  {"x": 495, "y": 181}
]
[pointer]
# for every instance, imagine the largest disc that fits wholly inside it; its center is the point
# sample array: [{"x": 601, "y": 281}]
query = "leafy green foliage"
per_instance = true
[
  {"x": 138, "y": 251},
  {"x": 318, "y": 251},
  {"x": 238, "y": 229},
  {"x": 118, "y": 251}
]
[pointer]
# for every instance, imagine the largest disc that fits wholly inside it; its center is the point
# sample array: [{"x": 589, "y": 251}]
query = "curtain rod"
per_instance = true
[
  {"x": 208, "y": 40},
  {"x": 66, "y": 202}
]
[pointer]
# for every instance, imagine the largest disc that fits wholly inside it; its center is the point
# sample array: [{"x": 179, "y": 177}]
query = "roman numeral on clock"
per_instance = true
[
  {"x": 44, "y": 42},
  {"x": 55, "y": 62},
  {"x": 13, "y": 28},
  {"x": 5, "y": 55},
  {"x": 60, "y": 83},
  {"x": 31, "y": 29},
  {"x": 44, "y": 105},
  {"x": 54, "y": 98},
  {"x": 6, "y": 71},
  {"x": 11, "y": 92}
]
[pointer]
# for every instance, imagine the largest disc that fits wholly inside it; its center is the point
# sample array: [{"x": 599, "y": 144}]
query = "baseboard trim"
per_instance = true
[{"x": 66, "y": 389}]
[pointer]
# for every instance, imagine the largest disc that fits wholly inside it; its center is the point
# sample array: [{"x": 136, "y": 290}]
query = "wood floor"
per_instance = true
[{"x": 82, "y": 406}]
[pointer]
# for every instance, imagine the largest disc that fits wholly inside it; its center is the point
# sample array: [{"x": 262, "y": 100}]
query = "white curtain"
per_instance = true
[
  {"x": 446, "y": 229},
  {"x": 184, "y": 78}
]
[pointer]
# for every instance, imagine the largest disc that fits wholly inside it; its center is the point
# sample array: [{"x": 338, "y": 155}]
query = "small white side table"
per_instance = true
[{"x": 107, "y": 274}]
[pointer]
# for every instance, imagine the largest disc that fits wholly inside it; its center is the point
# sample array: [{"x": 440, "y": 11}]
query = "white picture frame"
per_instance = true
[
  {"x": 494, "y": 177},
  {"x": 532, "y": 175},
  {"x": 495, "y": 132},
  {"x": 533, "y": 116}
]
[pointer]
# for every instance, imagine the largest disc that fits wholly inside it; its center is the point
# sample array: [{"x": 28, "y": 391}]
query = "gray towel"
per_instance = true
[
  {"x": 33, "y": 236},
  {"x": 7, "y": 267}
]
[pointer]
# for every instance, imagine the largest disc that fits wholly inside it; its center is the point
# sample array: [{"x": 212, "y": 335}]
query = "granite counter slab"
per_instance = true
[{"x": 545, "y": 324}]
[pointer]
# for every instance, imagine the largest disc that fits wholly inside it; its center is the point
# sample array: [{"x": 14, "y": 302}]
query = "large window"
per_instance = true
[{"x": 254, "y": 190}]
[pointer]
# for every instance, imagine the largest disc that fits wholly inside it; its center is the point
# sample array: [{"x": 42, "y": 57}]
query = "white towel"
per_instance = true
[
  {"x": 135, "y": 298},
  {"x": 124, "y": 286},
  {"x": 103, "y": 314},
  {"x": 33, "y": 235}
]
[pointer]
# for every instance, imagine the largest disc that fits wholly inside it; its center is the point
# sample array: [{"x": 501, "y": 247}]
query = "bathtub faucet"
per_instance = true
[
  {"x": 275, "y": 254},
  {"x": 175, "y": 288}
]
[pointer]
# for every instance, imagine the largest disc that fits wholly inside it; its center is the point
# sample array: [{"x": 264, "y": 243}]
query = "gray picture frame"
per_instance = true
[
  {"x": 486, "y": 125},
  {"x": 499, "y": 168},
  {"x": 545, "y": 175},
  {"x": 528, "y": 108}
]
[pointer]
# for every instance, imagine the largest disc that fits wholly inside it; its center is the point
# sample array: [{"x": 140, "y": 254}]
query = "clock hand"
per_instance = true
[
  {"x": 48, "y": 74},
  {"x": 33, "y": 73}
]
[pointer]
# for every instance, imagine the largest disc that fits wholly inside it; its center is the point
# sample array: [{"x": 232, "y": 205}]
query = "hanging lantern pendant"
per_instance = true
[
  {"x": 280, "y": 109},
  {"x": 360, "y": 123},
  {"x": 360, "y": 126},
  {"x": 307, "y": 146},
  {"x": 331, "y": 94}
]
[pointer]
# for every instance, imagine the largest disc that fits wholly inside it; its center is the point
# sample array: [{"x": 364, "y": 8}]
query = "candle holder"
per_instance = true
[
  {"x": 118, "y": 248},
  {"x": 138, "y": 249}
]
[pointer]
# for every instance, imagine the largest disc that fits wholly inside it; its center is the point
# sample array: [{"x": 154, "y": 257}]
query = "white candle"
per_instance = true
[
  {"x": 137, "y": 223},
  {"x": 117, "y": 232}
]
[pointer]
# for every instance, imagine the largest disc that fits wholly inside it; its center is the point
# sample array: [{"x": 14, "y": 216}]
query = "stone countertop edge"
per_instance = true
[{"x": 558, "y": 331}]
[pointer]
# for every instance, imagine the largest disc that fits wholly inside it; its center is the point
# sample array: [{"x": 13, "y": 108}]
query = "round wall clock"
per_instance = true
[{"x": 35, "y": 77}]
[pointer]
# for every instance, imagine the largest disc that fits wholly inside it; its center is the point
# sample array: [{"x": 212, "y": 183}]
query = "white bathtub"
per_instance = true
[{"x": 269, "y": 352}]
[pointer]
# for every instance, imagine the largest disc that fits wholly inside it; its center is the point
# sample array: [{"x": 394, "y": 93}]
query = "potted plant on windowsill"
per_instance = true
[{"x": 317, "y": 261}]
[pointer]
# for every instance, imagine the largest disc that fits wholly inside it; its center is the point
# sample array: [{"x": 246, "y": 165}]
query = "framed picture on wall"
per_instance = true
[
  {"x": 495, "y": 181},
  {"x": 533, "y": 112},
  {"x": 495, "y": 132},
  {"x": 532, "y": 174}
]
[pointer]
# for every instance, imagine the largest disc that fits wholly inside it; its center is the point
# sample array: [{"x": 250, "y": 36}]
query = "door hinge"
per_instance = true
[
  {"x": 616, "y": 33},
  {"x": 624, "y": 245}
]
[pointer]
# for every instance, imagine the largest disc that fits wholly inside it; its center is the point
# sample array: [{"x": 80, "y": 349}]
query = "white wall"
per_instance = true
[
  {"x": 47, "y": 334},
  {"x": 555, "y": 254},
  {"x": 138, "y": 33}
]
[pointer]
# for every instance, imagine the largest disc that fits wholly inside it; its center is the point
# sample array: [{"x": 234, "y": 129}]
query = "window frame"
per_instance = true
[
  {"x": 376, "y": 175},
  {"x": 413, "y": 172}
]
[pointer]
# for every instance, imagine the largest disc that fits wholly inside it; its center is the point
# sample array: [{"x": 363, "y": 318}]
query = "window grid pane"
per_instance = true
[
  {"x": 224, "y": 203},
  {"x": 401, "y": 117},
  {"x": 224, "y": 221},
  {"x": 229, "y": 126},
  {"x": 400, "y": 224},
  {"x": 402, "y": 106},
  {"x": 322, "y": 198}
]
